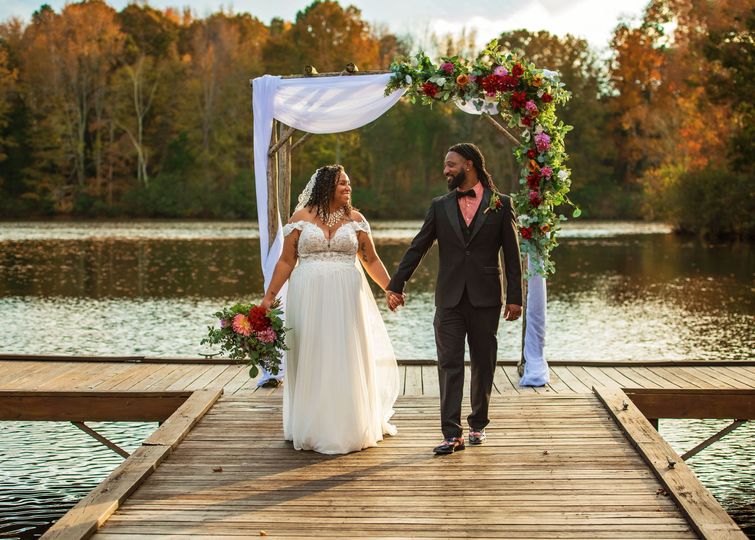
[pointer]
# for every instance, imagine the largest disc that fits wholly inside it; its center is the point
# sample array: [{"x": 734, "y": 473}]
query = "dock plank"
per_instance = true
[{"x": 234, "y": 476}]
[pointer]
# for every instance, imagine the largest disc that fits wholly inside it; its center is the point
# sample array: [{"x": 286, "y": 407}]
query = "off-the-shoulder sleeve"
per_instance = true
[
  {"x": 290, "y": 227},
  {"x": 362, "y": 226}
]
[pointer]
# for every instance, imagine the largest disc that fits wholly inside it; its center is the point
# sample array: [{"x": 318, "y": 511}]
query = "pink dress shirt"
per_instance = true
[{"x": 469, "y": 205}]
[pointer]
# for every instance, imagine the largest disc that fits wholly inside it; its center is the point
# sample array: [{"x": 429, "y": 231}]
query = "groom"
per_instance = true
[{"x": 472, "y": 224}]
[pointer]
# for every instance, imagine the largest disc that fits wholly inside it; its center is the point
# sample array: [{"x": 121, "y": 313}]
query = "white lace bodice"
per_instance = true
[{"x": 314, "y": 246}]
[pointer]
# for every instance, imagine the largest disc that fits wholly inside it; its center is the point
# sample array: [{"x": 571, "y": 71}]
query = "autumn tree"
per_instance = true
[
  {"x": 149, "y": 62},
  {"x": 68, "y": 60},
  {"x": 326, "y": 36}
]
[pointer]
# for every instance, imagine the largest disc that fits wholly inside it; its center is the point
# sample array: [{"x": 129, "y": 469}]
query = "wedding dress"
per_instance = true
[{"x": 341, "y": 374}]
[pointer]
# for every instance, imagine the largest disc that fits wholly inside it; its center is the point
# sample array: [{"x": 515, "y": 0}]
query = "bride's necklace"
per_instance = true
[{"x": 334, "y": 218}]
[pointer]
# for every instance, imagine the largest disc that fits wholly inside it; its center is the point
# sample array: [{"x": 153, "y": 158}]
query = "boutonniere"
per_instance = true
[{"x": 495, "y": 203}]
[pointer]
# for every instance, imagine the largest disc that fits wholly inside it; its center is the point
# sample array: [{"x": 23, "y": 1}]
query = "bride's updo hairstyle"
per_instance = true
[{"x": 324, "y": 189}]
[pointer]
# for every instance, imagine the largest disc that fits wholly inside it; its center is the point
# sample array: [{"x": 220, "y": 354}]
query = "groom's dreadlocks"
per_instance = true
[
  {"x": 471, "y": 152},
  {"x": 324, "y": 189}
]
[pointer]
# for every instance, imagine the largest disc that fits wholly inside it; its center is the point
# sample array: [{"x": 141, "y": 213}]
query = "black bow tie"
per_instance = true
[{"x": 467, "y": 193}]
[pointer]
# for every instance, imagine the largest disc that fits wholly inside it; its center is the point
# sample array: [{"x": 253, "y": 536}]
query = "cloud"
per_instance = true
[{"x": 593, "y": 20}]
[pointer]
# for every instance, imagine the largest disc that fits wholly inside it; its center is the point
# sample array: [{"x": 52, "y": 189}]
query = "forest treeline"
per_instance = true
[{"x": 147, "y": 113}]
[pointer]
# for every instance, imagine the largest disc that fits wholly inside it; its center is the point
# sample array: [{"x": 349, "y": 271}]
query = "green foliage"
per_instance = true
[
  {"x": 714, "y": 203},
  {"x": 507, "y": 85},
  {"x": 145, "y": 112}
]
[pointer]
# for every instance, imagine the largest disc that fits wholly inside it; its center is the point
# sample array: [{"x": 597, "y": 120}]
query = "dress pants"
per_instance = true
[{"x": 479, "y": 325}]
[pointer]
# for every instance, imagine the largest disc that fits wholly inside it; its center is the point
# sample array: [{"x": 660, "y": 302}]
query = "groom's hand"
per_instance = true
[
  {"x": 512, "y": 312},
  {"x": 394, "y": 299}
]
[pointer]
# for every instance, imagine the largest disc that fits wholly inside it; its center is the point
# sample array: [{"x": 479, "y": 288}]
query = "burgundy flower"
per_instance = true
[
  {"x": 518, "y": 99},
  {"x": 526, "y": 232},
  {"x": 430, "y": 89},
  {"x": 535, "y": 199},
  {"x": 527, "y": 121},
  {"x": 533, "y": 180},
  {"x": 258, "y": 319},
  {"x": 490, "y": 84},
  {"x": 547, "y": 98},
  {"x": 531, "y": 153},
  {"x": 517, "y": 71},
  {"x": 508, "y": 82}
]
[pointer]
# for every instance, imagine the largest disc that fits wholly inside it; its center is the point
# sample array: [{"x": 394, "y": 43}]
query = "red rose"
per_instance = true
[
  {"x": 527, "y": 121},
  {"x": 507, "y": 82},
  {"x": 430, "y": 89},
  {"x": 517, "y": 70},
  {"x": 531, "y": 153},
  {"x": 533, "y": 180},
  {"x": 518, "y": 99},
  {"x": 490, "y": 84},
  {"x": 526, "y": 232},
  {"x": 258, "y": 319},
  {"x": 547, "y": 98}
]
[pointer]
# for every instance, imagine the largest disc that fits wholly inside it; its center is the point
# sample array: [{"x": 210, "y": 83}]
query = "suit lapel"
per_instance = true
[
  {"x": 481, "y": 214},
  {"x": 451, "y": 205}
]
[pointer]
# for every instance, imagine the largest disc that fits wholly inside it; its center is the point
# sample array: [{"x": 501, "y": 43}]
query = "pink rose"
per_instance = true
[
  {"x": 546, "y": 172},
  {"x": 542, "y": 141},
  {"x": 448, "y": 67},
  {"x": 531, "y": 107},
  {"x": 500, "y": 71}
]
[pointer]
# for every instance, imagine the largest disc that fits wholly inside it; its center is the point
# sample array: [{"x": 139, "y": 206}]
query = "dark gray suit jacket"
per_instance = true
[{"x": 474, "y": 265}]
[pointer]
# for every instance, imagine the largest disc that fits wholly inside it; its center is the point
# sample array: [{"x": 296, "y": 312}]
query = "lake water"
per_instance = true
[{"x": 622, "y": 291}]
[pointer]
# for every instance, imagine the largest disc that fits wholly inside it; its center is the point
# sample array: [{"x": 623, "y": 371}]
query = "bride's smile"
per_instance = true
[{"x": 342, "y": 195}]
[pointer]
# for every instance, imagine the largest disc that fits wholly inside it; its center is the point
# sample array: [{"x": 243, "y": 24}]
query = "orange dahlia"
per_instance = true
[{"x": 241, "y": 325}]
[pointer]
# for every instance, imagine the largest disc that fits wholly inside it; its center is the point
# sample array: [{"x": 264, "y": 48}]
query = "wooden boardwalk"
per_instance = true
[
  {"x": 555, "y": 467},
  {"x": 574, "y": 459},
  {"x": 418, "y": 379}
]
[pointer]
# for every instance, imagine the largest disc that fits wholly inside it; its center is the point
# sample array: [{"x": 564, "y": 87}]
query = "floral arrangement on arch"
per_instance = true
[
  {"x": 251, "y": 333},
  {"x": 526, "y": 97}
]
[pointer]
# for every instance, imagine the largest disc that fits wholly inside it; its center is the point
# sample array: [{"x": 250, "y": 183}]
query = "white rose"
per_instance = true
[
  {"x": 408, "y": 79},
  {"x": 441, "y": 81},
  {"x": 563, "y": 175}
]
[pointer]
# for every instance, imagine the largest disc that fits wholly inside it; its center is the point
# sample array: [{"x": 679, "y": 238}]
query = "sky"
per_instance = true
[{"x": 593, "y": 20}]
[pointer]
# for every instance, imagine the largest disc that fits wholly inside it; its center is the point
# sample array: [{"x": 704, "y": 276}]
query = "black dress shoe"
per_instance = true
[
  {"x": 476, "y": 437},
  {"x": 449, "y": 446}
]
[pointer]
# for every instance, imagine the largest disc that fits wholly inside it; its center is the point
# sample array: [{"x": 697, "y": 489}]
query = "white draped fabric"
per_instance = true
[
  {"x": 314, "y": 105},
  {"x": 536, "y": 371},
  {"x": 342, "y": 103}
]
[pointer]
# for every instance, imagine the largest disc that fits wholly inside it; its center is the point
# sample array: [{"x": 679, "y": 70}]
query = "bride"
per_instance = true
[{"x": 341, "y": 373}]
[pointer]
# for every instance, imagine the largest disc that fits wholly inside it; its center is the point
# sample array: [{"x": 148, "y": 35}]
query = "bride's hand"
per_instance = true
[{"x": 266, "y": 302}]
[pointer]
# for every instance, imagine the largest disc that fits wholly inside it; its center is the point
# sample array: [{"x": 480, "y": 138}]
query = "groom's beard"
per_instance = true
[{"x": 456, "y": 181}]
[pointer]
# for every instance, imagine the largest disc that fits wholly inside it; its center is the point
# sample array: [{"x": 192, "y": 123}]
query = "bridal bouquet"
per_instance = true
[{"x": 251, "y": 333}]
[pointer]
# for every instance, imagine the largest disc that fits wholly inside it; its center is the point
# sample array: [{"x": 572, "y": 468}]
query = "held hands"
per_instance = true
[
  {"x": 512, "y": 312},
  {"x": 394, "y": 299}
]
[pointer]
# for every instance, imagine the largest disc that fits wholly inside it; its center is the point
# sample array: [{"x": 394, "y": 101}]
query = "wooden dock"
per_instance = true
[{"x": 574, "y": 459}]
